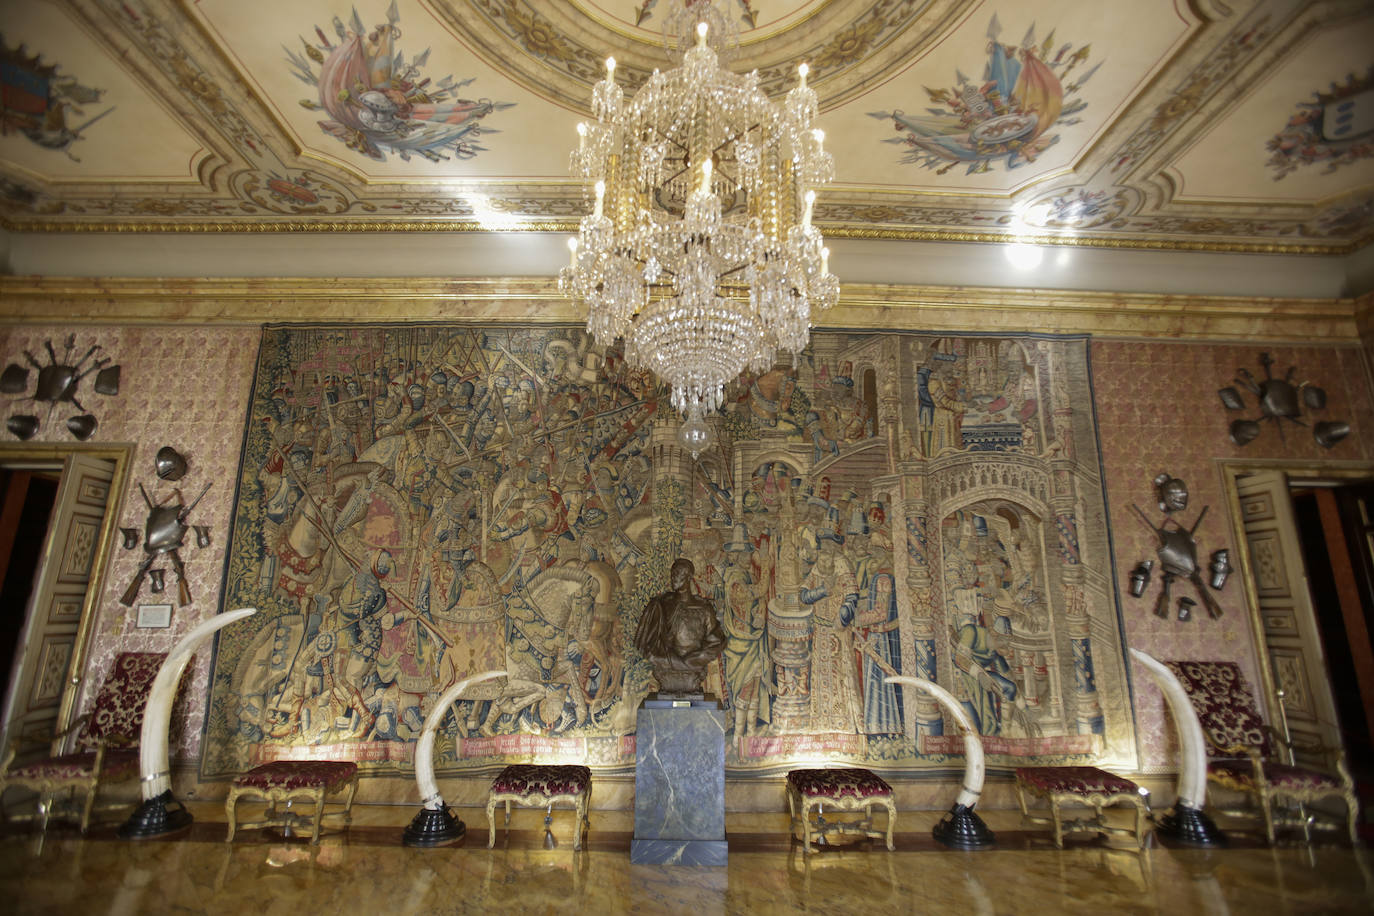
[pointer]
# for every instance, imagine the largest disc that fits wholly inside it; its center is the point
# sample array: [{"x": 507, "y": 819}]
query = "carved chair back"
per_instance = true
[
  {"x": 117, "y": 715},
  {"x": 1226, "y": 708}
]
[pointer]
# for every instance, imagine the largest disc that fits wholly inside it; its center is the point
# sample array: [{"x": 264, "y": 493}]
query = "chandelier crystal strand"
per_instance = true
[{"x": 700, "y": 252}]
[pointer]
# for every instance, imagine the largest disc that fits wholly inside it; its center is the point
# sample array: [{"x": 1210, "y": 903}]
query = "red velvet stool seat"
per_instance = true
[
  {"x": 288, "y": 780},
  {"x": 534, "y": 785},
  {"x": 1084, "y": 786},
  {"x": 849, "y": 789}
]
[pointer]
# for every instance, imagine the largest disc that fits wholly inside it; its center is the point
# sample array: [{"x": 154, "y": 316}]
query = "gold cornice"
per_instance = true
[
  {"x": 558, "y": 224},
  {"x": 151, "y": 301},
  {"x": 1102, "y": 314},
  {"x": 1086, "y": 241}
]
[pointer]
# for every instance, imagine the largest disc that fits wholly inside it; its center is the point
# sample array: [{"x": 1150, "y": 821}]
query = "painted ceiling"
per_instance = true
[{"x": 1186, "y": 124}]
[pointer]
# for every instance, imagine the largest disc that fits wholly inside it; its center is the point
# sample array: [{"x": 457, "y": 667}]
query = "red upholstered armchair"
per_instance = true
[
  {"x": 106, "y": 742},
  {"x": 1242, "y": 749}
]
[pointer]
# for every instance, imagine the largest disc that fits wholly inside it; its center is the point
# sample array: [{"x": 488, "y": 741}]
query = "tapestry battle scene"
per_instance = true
[{"x": 418, "y": 504}]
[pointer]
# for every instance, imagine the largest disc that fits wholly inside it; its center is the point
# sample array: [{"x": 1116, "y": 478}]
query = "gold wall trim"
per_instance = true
[
  {"x": 1124, "y": 242},
  {"x": 562, "y": 224},
  {"x": 140, "y": 301}
]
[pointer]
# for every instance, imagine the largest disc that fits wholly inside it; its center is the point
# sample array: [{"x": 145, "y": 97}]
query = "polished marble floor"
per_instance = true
[{"x": 364, "y": 869}]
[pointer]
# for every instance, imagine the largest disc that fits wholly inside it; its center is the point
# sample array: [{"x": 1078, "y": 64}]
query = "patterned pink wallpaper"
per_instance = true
[
  {"x": 1157, "y": 410},
  {"x": 183, "y": 387}
]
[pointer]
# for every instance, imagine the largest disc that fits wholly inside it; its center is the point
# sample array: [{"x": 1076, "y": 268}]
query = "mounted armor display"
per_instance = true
[{"x": 164, "y": 533}]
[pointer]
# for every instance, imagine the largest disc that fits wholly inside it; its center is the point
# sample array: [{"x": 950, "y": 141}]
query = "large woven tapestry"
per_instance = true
[{"x": 418, "y": 504}]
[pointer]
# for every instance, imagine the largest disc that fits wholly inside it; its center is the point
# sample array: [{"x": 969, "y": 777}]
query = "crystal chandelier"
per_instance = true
[{"x": 700, "y": 252}]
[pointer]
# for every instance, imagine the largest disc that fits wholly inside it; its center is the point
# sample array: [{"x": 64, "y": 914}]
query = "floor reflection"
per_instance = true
[{"x": 365, "y": 869}]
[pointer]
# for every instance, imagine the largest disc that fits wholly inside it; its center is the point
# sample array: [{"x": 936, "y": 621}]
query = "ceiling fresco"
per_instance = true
[{"x": 1243, "y": 125}]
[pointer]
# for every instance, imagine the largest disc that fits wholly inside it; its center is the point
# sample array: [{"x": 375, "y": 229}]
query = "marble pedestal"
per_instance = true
[{"x": 679, "y": 787}]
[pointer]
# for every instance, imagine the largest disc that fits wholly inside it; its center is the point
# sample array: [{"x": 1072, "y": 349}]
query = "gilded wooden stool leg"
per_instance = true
[
  {"x": 1058, "y": 822},
  {"x": 86, "y": 810},
  {"x": 1352, "y": 815},
  {"x": 348, "y": 801},
  {"x": 319, "y": 816},
  {"x": 582, "y": 822},
  {"x": 230, "y": 806},
  {"x": 45, "y": 802},
  {"x": 491, "y": 821},
  {"x": 806, "y": 823},
  {"x": 891, "y": 820}
]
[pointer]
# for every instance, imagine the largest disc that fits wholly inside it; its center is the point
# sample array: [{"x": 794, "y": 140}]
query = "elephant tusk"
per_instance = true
[
  {"x": 1192, "y": 776},
  {"x": 153, "y": 764},
  {"x": 424, "y": 748},
  {"x": 974, "y": 766}
]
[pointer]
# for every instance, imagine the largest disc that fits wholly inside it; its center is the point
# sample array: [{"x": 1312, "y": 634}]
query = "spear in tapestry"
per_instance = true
[{"x": 333, "y": 542}]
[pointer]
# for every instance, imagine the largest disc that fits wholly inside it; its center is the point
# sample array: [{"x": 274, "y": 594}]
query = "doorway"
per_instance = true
[
  {"x": 1335, "y": 526},
  {"x": 1305, "y": 535},
  {"x": 57, "y": 525},
  {"x": 27, "y": 499}
]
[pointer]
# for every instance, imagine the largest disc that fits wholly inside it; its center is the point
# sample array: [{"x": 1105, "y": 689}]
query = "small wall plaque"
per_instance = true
[{"x": 154, "y": 616}]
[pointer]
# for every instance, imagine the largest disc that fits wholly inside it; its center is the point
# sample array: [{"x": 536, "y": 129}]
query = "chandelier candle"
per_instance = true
[{"x": 700, "y": 252}]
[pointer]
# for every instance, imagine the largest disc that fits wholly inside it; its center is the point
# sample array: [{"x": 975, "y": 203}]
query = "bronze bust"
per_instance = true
[{"x": 679, "y": 634}]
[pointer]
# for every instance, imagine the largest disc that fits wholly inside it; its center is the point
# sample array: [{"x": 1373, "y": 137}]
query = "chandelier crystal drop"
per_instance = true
[{"x": 699, "y": 251}]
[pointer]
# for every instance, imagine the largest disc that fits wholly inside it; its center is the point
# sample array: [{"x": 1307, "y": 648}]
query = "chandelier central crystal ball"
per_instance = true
[{"x": 700, "y": 252}]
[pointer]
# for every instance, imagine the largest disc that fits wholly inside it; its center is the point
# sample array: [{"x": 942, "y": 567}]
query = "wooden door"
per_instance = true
[
  {"x": 44, "y": 668},
  {"x": 1289, "y": 628}
]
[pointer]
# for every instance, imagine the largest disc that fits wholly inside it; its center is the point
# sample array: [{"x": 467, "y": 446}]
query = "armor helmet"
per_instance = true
[
  {"x": 170, "y": 465},
  {"x": 1172, "y": 492}
]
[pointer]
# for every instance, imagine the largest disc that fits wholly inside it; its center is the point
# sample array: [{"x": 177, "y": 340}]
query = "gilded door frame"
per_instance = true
[
  {"x": 121, "y": 454},
  {"x": 1332, "y": 471}
]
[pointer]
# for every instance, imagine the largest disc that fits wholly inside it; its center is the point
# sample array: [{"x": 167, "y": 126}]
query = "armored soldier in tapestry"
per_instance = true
[
  {"x": 417, "y": 505},
  {"x": 420, "y": 505}
]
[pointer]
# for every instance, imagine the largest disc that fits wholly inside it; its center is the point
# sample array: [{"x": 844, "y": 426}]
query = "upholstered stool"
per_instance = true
[
  {"x": 288, "y": 780},
  {"x": 533, "y": 785},
  {"x": 851, "y": 789},
  {"x": 1080, "y": 785}
]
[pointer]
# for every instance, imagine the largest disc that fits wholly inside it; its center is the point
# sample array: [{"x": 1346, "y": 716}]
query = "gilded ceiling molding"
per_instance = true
[
  {"x": 1364, "y": 317},
  {"x": 110, "y": 301},
  {"x": 831, "y": 229},
  {"x": 1330, "y": 232}
]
